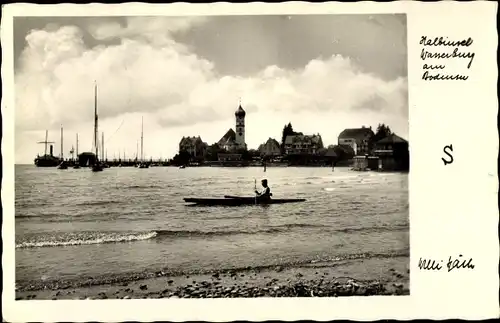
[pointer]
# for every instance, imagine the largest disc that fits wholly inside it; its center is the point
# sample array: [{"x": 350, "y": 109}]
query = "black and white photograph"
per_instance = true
[{"x": 229, "y": 156}]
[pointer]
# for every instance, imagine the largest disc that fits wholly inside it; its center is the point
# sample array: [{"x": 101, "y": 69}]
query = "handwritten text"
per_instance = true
[
  {"x": 451, "y": 264},
  {"x": 429, "y": 56}
]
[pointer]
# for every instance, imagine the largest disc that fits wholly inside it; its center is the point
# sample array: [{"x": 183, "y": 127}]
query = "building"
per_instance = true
[
  {"x": 228, "y": 141},
  {"x": 358, "y": 138},
  {"x": 240, "y": 127},
  {"x": 193, "y": 145},
  {"x": 270, "y": 148},
  {"x": 393, "y": 153},
  {"x": 235, "y": 140},
  {"x": 364, "y": 163},
  {"x": 300, "y": 144}
]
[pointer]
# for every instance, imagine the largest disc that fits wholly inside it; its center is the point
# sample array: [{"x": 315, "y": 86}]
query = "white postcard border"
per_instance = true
[{"x": 447, "y": 217}]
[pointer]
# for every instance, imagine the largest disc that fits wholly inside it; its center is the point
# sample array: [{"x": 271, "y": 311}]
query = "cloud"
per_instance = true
[
  {"x": 57, "y": 75},
  {"x": 148, "y": 72},
  {"x": 155, "y": 30}
]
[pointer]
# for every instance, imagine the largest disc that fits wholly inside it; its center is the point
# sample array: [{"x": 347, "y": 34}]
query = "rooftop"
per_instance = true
[
  {"x": 272, "y": 141},
  {"x": 392, "y": 139},
  {"x": 356, "y": 133},
  {"x": 230, "y": 134},
  {"x": 190, "y": 140},
  {"x": 228, "y": 139}
]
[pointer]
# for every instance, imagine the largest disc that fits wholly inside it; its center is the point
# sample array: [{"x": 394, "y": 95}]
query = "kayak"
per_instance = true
[
  {"x": 239, "y": 197},
  {"x": 236, "y": 197},
  {"x": 237, "y": 201}
]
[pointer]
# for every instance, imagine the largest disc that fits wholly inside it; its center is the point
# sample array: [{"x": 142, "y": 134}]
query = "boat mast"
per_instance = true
[
  {"x": 62, "y": 146},
  {"x": 46, "y": 141},
  {"x": 96, "y": 133},
  {"x": 102, "y": 150},
  {"x": 142, "y": 140}
]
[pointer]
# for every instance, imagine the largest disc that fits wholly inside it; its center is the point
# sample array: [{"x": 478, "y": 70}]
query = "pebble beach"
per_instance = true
[{"x": 318, "y": 280}]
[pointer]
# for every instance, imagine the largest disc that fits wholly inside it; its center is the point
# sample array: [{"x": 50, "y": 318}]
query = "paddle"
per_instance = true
[{"x": 255, "y": 189}]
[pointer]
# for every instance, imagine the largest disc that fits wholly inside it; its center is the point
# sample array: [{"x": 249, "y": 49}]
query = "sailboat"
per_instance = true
[
  {"x": 142, "y": 163},
  {"x": 104, "y": 159},
  {"x": 97, "y": 167},
  {"x": 47, "y": 160},
  {"x": 62, "y": 165},
  {"x": 107, "y": 165},
  {"x": 77, "y": 161}
]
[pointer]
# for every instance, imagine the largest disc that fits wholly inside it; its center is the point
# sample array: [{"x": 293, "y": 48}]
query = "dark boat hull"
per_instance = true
[
  {"x": 237, "y": 201},
  {"x": 62, "y": 166},
  {"x": 47, "y": 161}
]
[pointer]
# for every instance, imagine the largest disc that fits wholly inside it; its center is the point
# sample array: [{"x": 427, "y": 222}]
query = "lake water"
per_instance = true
[{"x": 75, "y": 224}]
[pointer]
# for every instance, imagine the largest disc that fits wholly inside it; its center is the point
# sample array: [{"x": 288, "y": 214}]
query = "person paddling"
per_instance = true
[{"x": 266, "y": 192}]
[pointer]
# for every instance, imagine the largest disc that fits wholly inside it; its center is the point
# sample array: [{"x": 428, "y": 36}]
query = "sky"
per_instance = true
[{"x": 185, "y": 76}]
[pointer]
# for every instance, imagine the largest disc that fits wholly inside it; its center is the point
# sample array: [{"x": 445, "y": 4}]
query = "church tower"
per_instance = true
[{"x": 240, "y": 127}]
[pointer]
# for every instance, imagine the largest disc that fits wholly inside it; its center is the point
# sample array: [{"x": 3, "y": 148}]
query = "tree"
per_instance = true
[
  {"x": 245, "y": 155},
  {"x": 382, "y": 132},
  {"x": 212, "y": 152},
  {"x": 287, "y": 131},
  {"x": 182, "y": 158},
  {"x": 343, "y": 152}
]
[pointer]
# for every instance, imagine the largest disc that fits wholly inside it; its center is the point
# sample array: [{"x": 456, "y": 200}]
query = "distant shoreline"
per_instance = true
[
  {"x": 261, "y": 166},
  {"x": 246, "y": 166}
]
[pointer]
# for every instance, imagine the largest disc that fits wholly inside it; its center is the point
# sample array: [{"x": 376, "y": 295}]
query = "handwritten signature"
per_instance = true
[{"x": 452, "y": 264}]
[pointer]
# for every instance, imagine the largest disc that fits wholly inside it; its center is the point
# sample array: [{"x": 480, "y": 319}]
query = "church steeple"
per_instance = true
[
  {"x": 240, "y": 112},
  {"x": 240, "y": 126}
]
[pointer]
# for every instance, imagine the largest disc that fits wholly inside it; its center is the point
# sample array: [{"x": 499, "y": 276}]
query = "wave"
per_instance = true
[
  {"x": 27, "y": 216},
  {"x": 97, "y": 203},
  {"x": 90, "y": 238},
  {"x": 137, "y": 187},
  {"x": 275, "y": 229},
  {"x": 271, "y": 229},
  {"x": 84, "y": 238},
  {"x": 374, "y": 229},
  {"x": 313, "y": 177}
]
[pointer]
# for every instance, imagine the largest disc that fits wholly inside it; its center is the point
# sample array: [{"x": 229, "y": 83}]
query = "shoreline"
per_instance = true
[
  {"x": 350, "y": 167},
  {"x": 363, "y": 277},
  {"x": 205, "y": 165}
]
